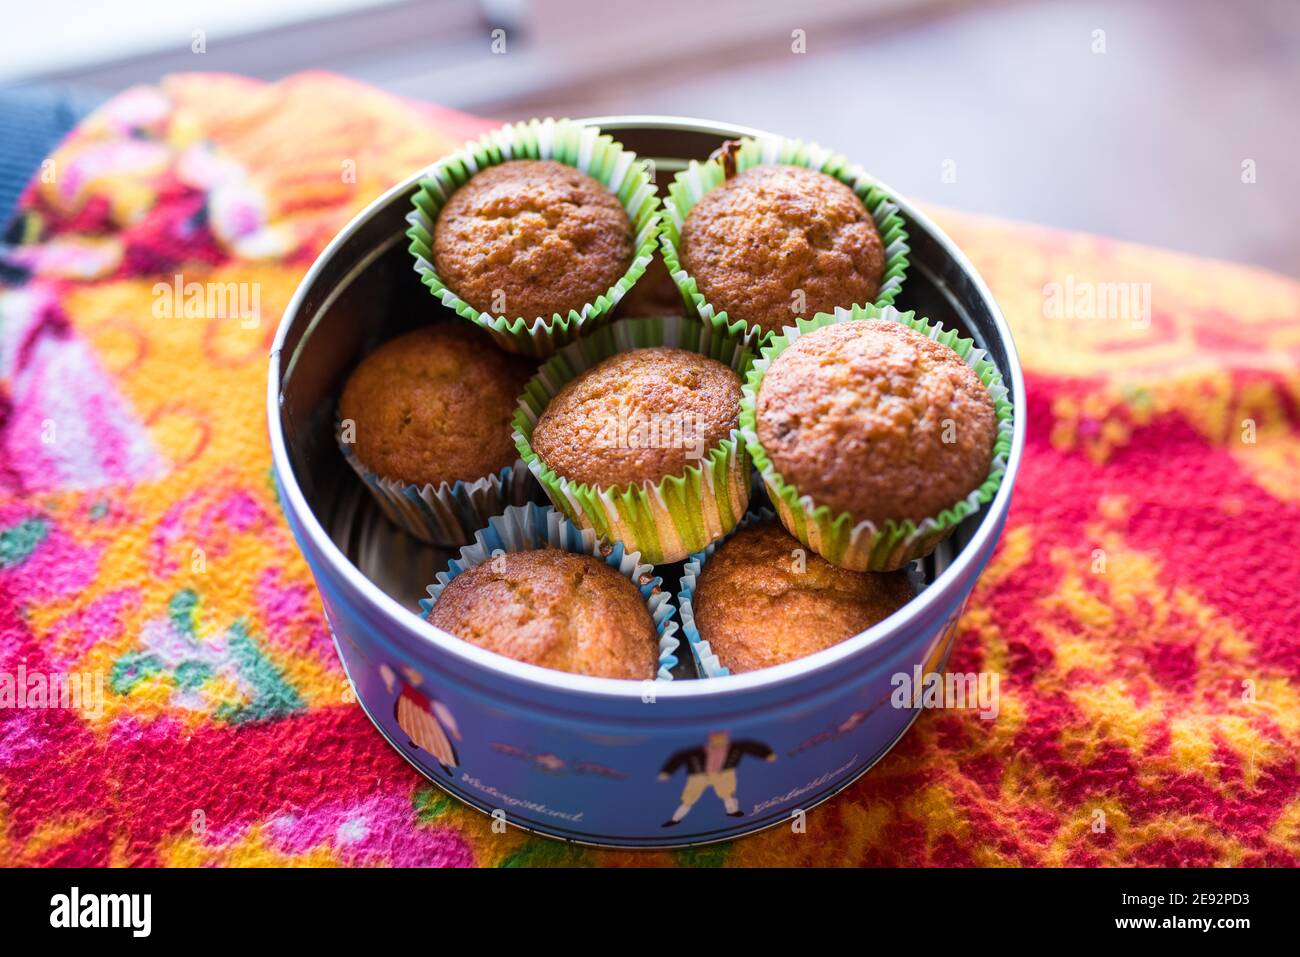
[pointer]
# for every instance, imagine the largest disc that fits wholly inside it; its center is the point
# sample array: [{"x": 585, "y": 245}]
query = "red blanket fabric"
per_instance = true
[{"x": 1143, "y": 609}]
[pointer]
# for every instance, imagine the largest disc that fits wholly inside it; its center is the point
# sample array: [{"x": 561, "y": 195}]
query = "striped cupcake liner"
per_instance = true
[
  {"x": 448, "y": 514},
  {"x": 707, "y": 664},
  {"x": 865, "y": 546},
  {"x": 690, "y": 185},
  {"x": 667, "y": 520},
  {"x": 582, "y": 147},
  {"x": 529, "y": 527}
]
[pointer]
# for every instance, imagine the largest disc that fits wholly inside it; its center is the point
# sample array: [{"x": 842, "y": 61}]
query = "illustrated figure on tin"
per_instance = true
[
  {"x": 427, "y": 722},
  {"x": 712, "y": 766}
]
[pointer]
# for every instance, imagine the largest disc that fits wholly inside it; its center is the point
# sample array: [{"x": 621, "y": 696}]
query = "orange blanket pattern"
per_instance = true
[{"x": 1143, "y": 609}]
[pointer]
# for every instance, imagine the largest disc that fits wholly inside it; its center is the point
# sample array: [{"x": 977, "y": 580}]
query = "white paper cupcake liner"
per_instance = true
[{"x": 448, "y": 514}]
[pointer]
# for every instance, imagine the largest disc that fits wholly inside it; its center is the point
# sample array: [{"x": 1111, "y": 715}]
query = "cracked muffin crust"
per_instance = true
[
  {"x": 875, "y": 419},
  {"x": 532, "y": 238},
  {"x": 771, "y": 230},
  {"x": 763, "y": 598},
  {"x": 435, "y": 405},
  {"x": 638, "y": 416},
  {"x": 555, "y": 609}
]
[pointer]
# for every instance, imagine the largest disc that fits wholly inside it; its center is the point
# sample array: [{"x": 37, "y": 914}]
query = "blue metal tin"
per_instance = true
[{"x": 595, "y": 760}]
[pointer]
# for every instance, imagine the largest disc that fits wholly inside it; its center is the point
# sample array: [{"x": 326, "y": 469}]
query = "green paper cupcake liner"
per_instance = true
[
  {"x": 690, "y": 185},
  {"x": 448, "y": 514},
  {"x": 582, "y": 147},
  {"x": 664, "y": 521},
  {"x": 863, "y": 546}
]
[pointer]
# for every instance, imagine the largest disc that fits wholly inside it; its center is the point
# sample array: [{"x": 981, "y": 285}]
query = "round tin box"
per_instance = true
[{"x": 593, "y": 759}]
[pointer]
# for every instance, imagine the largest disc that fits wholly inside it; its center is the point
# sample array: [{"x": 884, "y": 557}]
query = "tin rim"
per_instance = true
[{"x": 942, "y": 591}]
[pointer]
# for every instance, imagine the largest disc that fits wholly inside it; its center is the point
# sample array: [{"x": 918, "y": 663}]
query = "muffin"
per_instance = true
[
  {"x": 775, "y": 242},
  {"x": 633, "y": 433},
  {"x": 872, "y": 418},
  {"x": 557, "y": 609},
  {"x": 532, "y": 238},
  {"x": 638, "y": 417},
  {"x": 762, "y": 599},
  {"x": 655, "y": 294},
  {"x": 434, "y": 406}
]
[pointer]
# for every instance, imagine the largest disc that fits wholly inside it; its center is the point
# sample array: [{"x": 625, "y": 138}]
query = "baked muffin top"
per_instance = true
[
  {"x": 531, "y": 238},
  {"x": 638, "y": 416},
  {"x": 771, "y": 230},
  {"x": 763, "y": 598},
  {"x": 554, "y": 609},
  {"x": 873, "y": 418},
  {"x": 435, "y": 405}
]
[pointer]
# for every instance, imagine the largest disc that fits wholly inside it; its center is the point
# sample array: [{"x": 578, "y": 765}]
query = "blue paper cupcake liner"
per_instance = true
[
  {"x": 531, "y": 526},
  {"x": 707, "y": 664}
]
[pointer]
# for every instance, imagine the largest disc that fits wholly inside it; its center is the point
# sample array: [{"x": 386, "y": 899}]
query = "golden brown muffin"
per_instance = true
[
  {"x": 762, "y": 598},
  {"x": 435, "y": 405},
  {"x": 655, "y": 294},
  {"x": 532, "y": 238},
  {"x": 638, "y": 416},
  {"x": 872, "y": 418},
  {"x": 555, "y": 609},
  {"x": 771, "y": 230}
]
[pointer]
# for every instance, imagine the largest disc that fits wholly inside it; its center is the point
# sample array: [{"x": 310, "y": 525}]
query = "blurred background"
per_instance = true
[{"x": 1169, "y": 122}]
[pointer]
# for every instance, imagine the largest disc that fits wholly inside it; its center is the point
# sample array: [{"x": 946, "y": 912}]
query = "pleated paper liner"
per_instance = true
[
  {"x": 707, "y": 663},
  {"x": 864, "y": 546},
  {"x": 667, "y": 520},
  {"x": 528, "y": 527},
  {"x": 690, "y": 185},
  {"x": 582, "y": 147},
  {"x": 447, "y": 514}
]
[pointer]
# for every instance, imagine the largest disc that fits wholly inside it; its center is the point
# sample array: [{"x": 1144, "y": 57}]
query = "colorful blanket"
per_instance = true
[{"x": 1143, "y": 609}]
